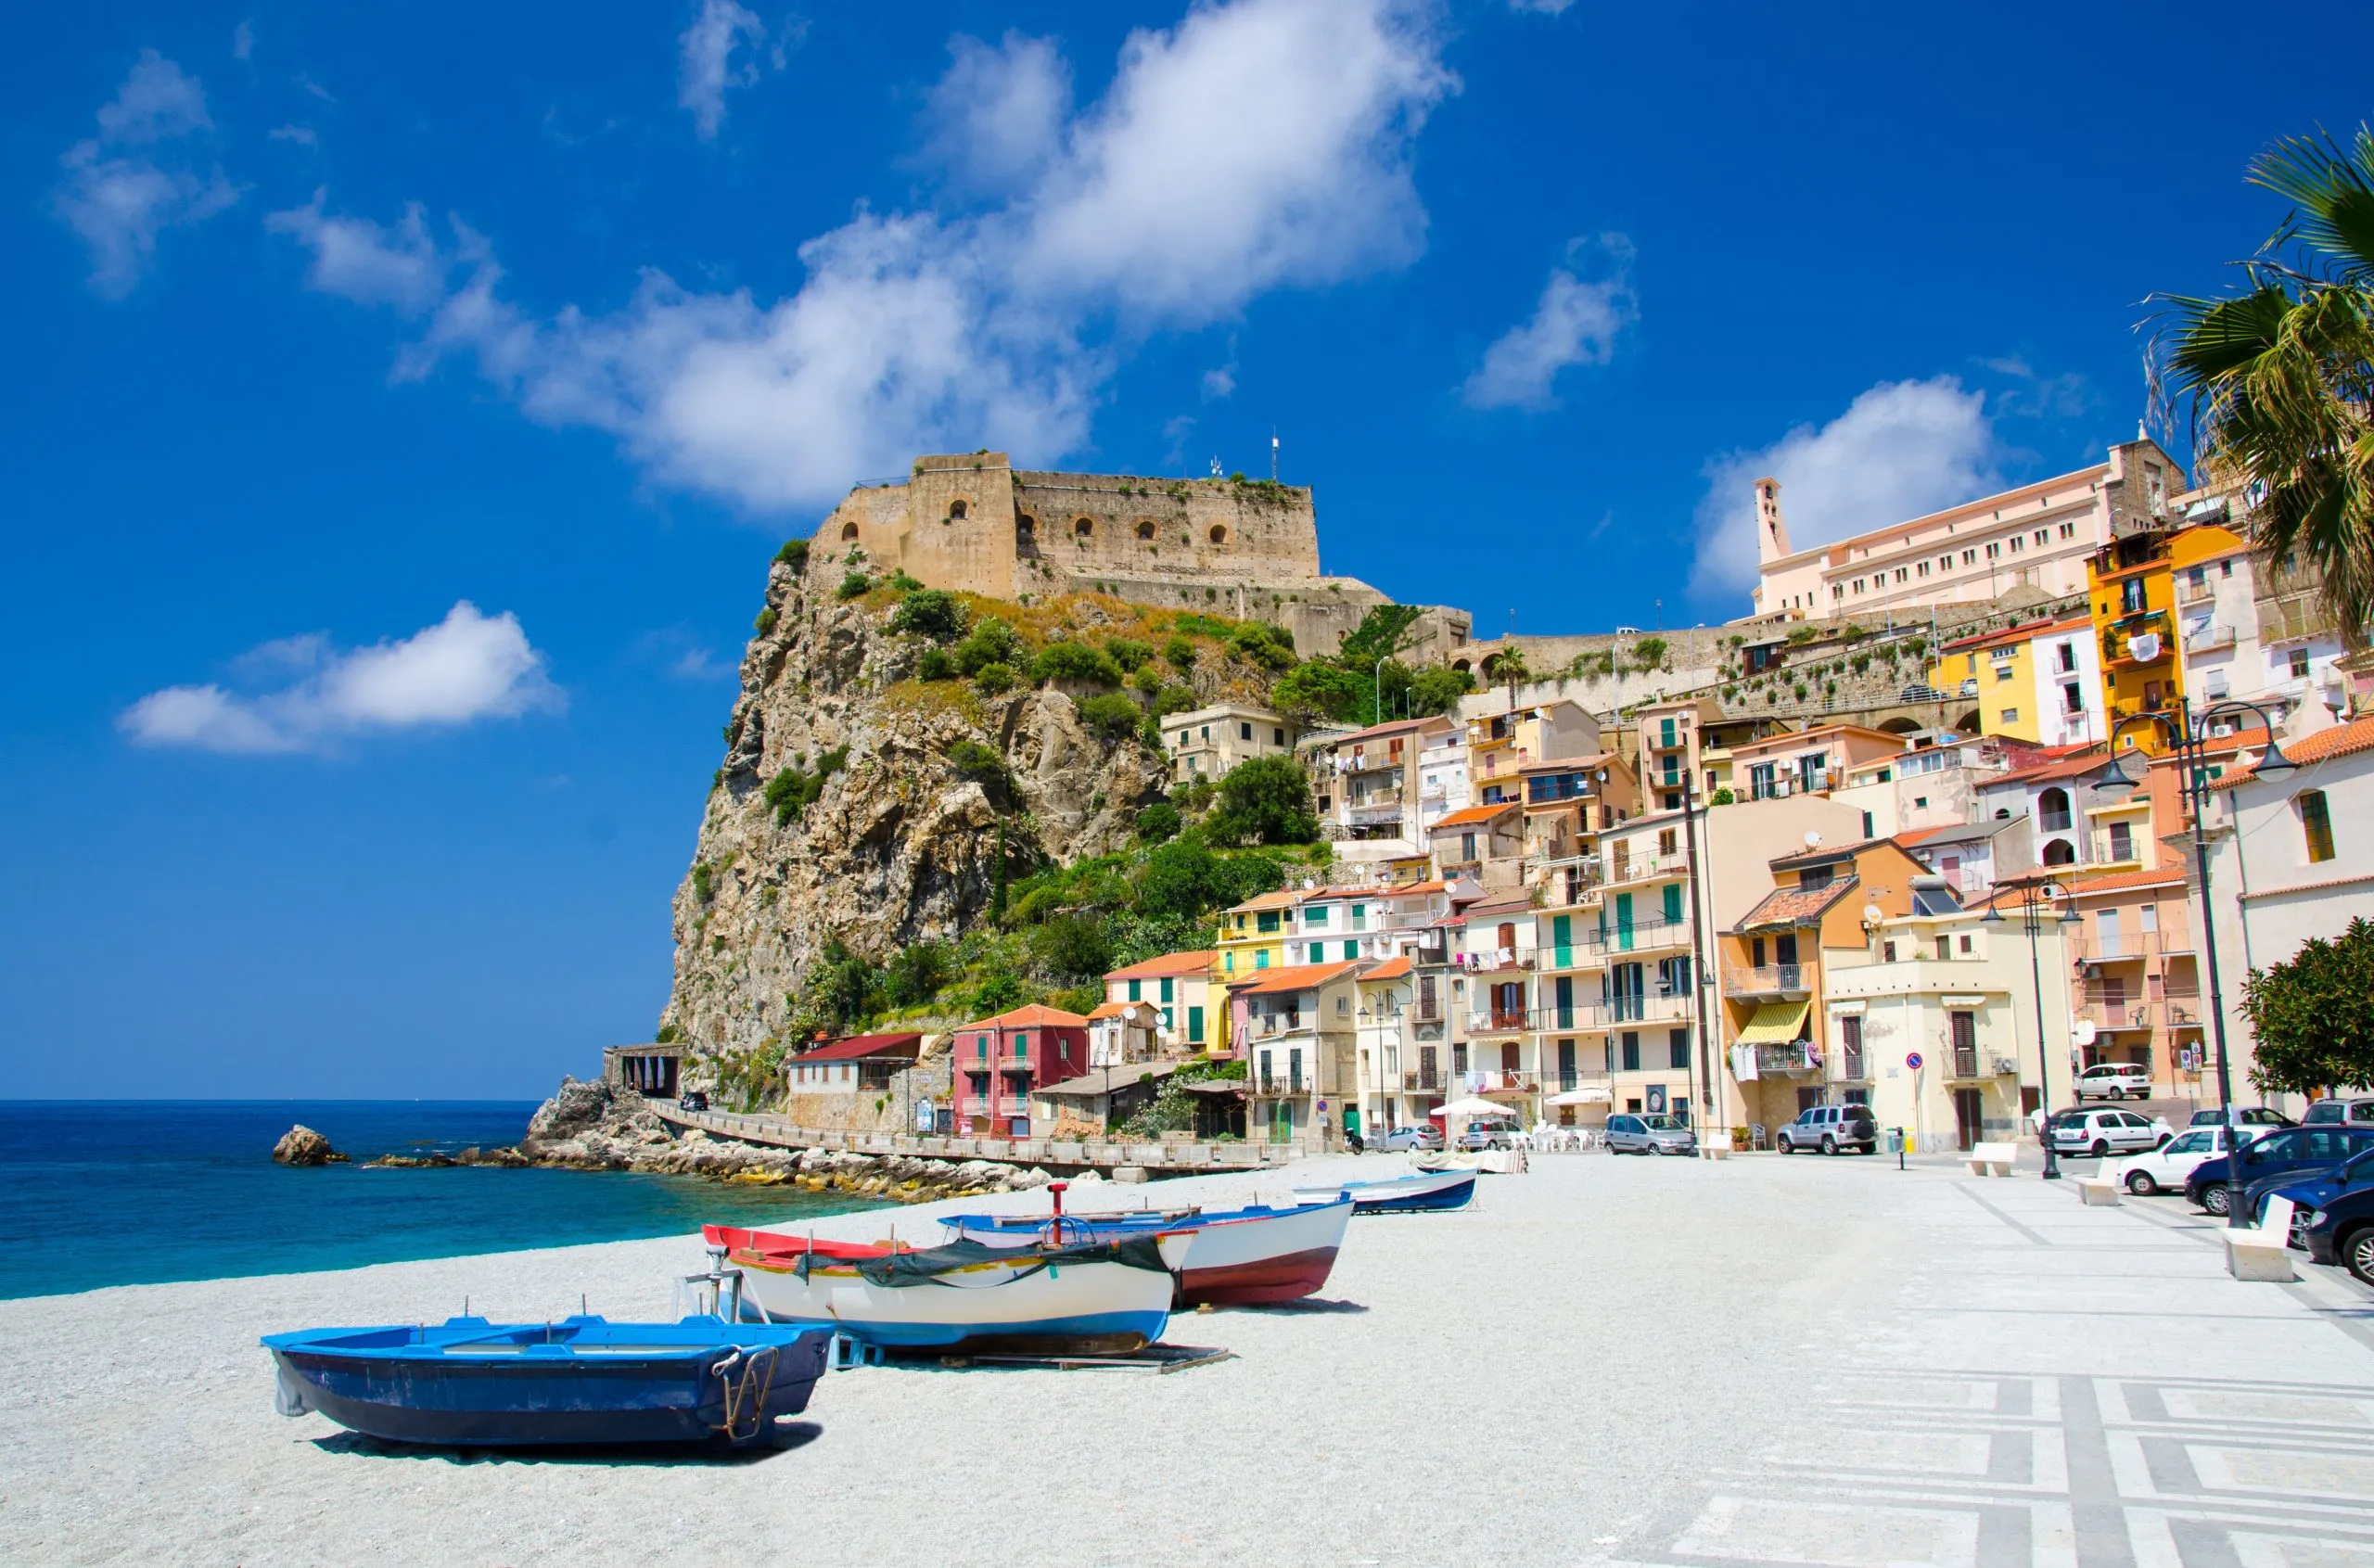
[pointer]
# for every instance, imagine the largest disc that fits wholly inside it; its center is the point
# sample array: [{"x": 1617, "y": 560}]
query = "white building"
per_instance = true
[
  {"x": 1442, "y": 777},
  {"x": 1209, "y": 742},
  {"x": 2291, "y": 857}
]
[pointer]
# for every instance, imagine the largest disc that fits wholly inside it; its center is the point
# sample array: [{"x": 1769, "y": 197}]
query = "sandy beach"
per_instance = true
[{"x": 1562, "y": 1373}]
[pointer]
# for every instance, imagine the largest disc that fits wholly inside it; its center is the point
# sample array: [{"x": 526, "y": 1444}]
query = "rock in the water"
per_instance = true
[{"x": 300, "y": 1145}]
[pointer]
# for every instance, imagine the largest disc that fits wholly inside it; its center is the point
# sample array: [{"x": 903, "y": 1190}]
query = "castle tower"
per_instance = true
[{"x": 1771, "y": 533}]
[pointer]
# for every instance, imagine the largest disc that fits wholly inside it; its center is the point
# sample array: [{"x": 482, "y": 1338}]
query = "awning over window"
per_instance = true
[{"x": 1775, "y": 1023}]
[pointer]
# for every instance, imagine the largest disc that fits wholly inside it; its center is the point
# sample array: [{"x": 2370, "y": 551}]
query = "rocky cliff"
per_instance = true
[{"x": 904, "y": 837}]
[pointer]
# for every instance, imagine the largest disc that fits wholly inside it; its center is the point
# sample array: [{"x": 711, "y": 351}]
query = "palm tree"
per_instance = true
[
  {"x": 1506, "y": 665},
  {"x": 2280, "y": 379}
]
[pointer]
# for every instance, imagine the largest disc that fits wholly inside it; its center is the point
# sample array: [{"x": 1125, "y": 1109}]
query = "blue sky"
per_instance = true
[{"x": 404, "y": 406}]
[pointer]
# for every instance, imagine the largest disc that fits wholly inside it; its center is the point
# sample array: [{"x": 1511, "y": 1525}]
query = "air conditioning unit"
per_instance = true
[{"x": 2003, "y": 1066}]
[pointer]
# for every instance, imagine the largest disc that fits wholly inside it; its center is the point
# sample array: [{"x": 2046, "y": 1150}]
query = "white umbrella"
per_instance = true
[
  {"x": 1472, "y": 1106},
  {"x": 1591, "y": 1096}
]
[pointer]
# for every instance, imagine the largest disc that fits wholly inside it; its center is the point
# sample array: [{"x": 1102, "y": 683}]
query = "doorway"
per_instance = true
[{"x": 1967, "y": 1118}]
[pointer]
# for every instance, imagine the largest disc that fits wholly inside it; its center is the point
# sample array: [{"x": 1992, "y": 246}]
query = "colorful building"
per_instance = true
[
  {"x": 997, "y": 1061},
  {"x": 1253, "y": 935},
  {"x": 1181, "y": 989},
  {"x": 2040, "y": 682}
]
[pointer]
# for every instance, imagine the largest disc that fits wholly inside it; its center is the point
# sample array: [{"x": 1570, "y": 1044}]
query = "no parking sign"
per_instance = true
[{"x": 1913, "y": 1061}]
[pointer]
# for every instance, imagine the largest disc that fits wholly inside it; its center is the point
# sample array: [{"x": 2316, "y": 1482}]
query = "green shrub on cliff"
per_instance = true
[
  {"x": 1128, "y": 653},
  {"x": 766, "y": 621},
  {"x": 857, "y": 582},
  {"x": 1110, "y": 714},
  {"x": 1158, "y": 822},
  {"x": 1437, "y": 688},
  {"x": 1258, "y": 642},
  {"x": 1264, "y": 800},
  {"x": 994, "y": 677},
  {"x": 794, "y": 555},
  {"x": 992, "y": 642},
  {"x": 936, "y": 666},
  {"x": 793, "y": 790},
  {"x": 928, "y": 612},
  {"x": 1076, "y": 661},
  {"x": 1180, "y": 652}
]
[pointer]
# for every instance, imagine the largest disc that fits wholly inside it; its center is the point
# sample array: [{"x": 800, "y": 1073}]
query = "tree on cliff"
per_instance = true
[
  {"x": 2314, "y": 1014},
  {"x": 1264, "y": 800},
  {"x": 2280, "y": 379}
]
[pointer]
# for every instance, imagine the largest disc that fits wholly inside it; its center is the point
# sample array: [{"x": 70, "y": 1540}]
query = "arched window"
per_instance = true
[
  {"x": 1459, "y": 664},
  {"x": 1025, "y": 535},
  {"x": 1083, "y": 528},
  {"x": 2057, "y": 852},
  {"x": 848, "y": 531},
  {"x": 2052, "y": 809},
  {"x": 1145, "y": 527},
  {"x": 956, "y": 511},
  {"x": 1219, "y": 534}
]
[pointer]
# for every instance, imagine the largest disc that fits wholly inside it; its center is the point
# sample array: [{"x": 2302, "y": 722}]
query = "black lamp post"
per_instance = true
[
  {"x": 2187, "y": 734},
  {"x": 2035, "y": 897}
]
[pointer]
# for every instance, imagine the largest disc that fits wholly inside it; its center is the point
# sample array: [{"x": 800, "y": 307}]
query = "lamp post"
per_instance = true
[
  {"x": 2187, "y": 734},
  {"x": 2035, "y": 898}
]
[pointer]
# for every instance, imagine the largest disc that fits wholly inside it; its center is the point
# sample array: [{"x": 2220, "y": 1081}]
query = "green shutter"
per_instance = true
[
  {"x": 1673, "y": 904},
  {"x": 1166, "y": 989},
  {"x": 1195, "y": 1026},
  {"x": 1133, "y": 992}
]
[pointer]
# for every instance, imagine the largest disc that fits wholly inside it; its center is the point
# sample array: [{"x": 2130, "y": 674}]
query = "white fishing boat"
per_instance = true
[
  {"x": 1103, "y": 1296},
  {"x": 1403, "y": 1194},
  {"x": 1240, "y": 1257}
]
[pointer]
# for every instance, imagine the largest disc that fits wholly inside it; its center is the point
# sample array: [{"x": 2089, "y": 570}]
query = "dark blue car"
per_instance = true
[
  {"x": 2301, "y": 1149},
  {"x": 2312, "y": 1190},
  {"x": 2343, "y": 1232}
]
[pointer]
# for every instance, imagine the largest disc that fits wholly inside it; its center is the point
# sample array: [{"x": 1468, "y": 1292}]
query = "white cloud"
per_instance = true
[
  {"x": 303, "y": 136},
  {"x": 1219, "y": 382},
  {"x": 1261, "y": 143},
  {"x": 243, "y": 40},
  {"x": 704, "y": 65},
  {"x": 1575, "y": 323},
  {"x": 996, "y": 118},
  {"x": 466, "y": 667},
  {"x": 1546, "y": 8},
  {"x": 1902, "y": 448},
  {"x": 135, "y": 179}
]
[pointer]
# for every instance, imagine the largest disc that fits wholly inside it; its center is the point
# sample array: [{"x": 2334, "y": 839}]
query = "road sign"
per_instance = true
[{"x": 1913, "y": 1061}]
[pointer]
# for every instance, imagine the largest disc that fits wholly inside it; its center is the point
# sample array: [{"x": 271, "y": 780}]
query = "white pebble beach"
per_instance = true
[{"x": 1557, "y": 1374}]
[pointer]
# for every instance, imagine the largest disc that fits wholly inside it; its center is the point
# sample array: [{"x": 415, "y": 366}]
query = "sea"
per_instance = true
[{"x": 119, "y": 1192}]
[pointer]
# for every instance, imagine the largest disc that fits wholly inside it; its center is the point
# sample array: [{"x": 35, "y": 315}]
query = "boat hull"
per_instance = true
[
  {"x": 454, "y": 1395},
  {"x": 999, "y": 1304},
  {"x": 1415, "y": 1194},
  {"x": 1237, "y": 1257}
]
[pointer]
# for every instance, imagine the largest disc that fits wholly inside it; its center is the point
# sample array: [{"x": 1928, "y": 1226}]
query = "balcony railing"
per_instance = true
[
  {"x": 1422, "y": 1081},
  {"x": 1585, "y": 1017},
  {"x": 1788, "y": 1058},
  {"x": 1639, "y": 868},
  {"x": 2190, "y": 593},
  {"x": 2201, "y": 639},
  {"x": 1767, "y": 980}
]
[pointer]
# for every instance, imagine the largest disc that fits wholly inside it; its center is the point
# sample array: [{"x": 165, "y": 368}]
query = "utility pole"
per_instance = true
[{"x": 1697, "y": 952}]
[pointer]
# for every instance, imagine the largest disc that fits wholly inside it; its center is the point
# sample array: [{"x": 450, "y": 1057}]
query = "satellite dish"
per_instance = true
[
  {"x": 2084, "y": 1033},
  {"x": 1872, "y": 914},
  {"x": 1813, "y": 840}
]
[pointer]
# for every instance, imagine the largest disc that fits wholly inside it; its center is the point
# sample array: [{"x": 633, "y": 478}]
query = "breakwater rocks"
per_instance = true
[{"x": 588, "y": 1127}]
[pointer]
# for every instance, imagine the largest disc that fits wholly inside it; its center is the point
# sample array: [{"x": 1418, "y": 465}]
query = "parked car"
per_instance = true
[
  {"x": 2248, "y": 1116},
  {"x": 1487, "y": 1135},
  {"x": 2115, "y": 1080},
  {"x": 2273, "y": 1154},
  {"x": 2165, "y": 1167},
  {"x": 2343, "y": 1232},
  {"x": 2355, "y": 1111},
  {"x": 1830, "y": 1128},
  {"x": 1631, "y": 1133},
  {"x": 2312, "y": 1188},
  {"x": 693, "y": 1100},
  {"x": 2103, "y": 1133},
  {"x": 1424, "y": 1135}
]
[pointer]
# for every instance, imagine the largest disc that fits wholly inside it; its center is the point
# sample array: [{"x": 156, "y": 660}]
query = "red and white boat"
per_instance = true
[{"x": 1235, "y": 1258}]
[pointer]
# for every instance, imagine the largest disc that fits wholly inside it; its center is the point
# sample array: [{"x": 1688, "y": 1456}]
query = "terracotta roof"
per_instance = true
[
  {"x": 1277, "y": 900},
  {"x": 1099, "y": 1081},
  {"x": 2072, "y": 767},
  {"x": 1953, "y": 832},
  {"x": 1786, "y": 906},
  {"x": 1391, "y": 969},
  {"x": 1822, "y": 854},
  {"x": 2342, "y": 740},
  {"x": 1196, "y": 962},
  {"x": 1293, "y": 977},
  {"x": 2120, "y": 881},
  {"x": 1505, "y": 903},
  {"x": 857, "y": 1046},
  {"x": 1467, "y": 814},
  {"x": 1798, "y": 737},
  {"x": 1568, "y": 764},
  {"x": 2020, "y": 633},
  {"x": 1114, "y": 1009},
  {"x": 1030, "y": 1017},
  {"x": 1397, "y": 726}
]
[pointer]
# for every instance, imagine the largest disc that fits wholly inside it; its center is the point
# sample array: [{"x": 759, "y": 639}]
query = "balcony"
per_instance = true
[
  {"x": 2118, "y": 638},
  {"x": 1499, "y": 1081},
  {"x": 1422, "y": 1082},
  {"x": 2203, "y": 639},
  {"x": 1371, "y": 812},
  {"x": 1641, "y": 868},
  {"x": 1274, "y": 1025},
  {"x": 2191, "y": 592},
  {"x": 1279, "y": 1086},
  {"x": 1501, "y": 1022},
  {"x": 1787, "y": 1060},
  {"x": 1767, "y": 980}
]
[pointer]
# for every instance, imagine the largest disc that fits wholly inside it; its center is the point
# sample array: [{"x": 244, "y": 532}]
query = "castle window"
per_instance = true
[
  {"x": 848, "y": 531},
  {"x": 1083, "y": 528},
  {"x": 1219, "y": 534},
  {"x": 956, "y": 511},
  {"x": 1145, "y": 528},
  {"x": 1026, "y": 534}
]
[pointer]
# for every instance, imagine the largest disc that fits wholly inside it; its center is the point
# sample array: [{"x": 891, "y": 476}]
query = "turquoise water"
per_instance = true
[{"x": 117, "y": 1192}]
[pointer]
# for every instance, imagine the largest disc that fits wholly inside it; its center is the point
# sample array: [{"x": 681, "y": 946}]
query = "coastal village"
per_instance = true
[{"x": 1964, "y": 807}]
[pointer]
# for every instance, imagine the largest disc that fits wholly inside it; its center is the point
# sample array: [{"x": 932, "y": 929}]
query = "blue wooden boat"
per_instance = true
[
  {"x": 1426, "y": 1191},
  {"x": 583, "y": 1380}
]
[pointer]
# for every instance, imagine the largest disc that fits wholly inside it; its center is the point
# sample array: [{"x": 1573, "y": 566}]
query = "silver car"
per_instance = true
[
  {"x": 1424, "y": 1135},
  {"x": 1631, "y": 1132}
]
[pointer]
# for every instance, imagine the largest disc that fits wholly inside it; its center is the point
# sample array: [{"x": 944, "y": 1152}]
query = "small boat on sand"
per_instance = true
[
  {"x": 1238, "y": 1256},
  {"x": 1403, "y": 1194},
  {"x": 1105, "y": 1297},
  {"x": 581, "y": 1380}
]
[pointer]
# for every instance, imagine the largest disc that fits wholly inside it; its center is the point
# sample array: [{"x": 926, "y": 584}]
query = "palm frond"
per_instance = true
[{"x": 2334, "y": 191}]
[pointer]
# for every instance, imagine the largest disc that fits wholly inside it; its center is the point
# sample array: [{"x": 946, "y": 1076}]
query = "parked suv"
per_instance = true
[
  {"x": 2290, "y": 1149},
  {"x": 2115, "y": 1080},
  {"x": 2099, "y": 1133},
  {"x": 2342, "y": 1232},
  {"x": 1630, "y": 1133},
  {"x": 2356, "y": 1112},
  {"x": 1830, "y": 1128},
  {"x": 1487, "y": 1135}
]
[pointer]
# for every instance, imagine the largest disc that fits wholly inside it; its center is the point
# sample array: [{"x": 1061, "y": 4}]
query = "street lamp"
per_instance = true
[
  {"x": 2188, "y": 734},
  {"x": 2035, "y": 898}
]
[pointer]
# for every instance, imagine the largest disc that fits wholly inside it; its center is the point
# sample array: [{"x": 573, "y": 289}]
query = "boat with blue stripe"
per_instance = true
[{"x": 1424, "y": 1192}]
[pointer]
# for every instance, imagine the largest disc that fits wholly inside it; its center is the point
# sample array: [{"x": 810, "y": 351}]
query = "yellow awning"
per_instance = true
[{"x": 1775, "y": 1023}]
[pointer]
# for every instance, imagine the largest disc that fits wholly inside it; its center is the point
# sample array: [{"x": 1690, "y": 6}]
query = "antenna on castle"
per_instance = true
[
  {"x": 1273, "y": 456},
  {"x": 1216, "y": 468}
]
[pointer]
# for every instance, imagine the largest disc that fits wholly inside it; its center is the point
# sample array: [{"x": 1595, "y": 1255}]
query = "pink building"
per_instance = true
[{"x": 997, "y": 1062}]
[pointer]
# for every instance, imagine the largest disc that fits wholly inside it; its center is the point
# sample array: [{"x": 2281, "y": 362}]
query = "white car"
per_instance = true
[
  {"x": 2165, "y": 1167},
  {"x": 2101, "y": 1133},
  {"x": 2115, "y": 1080}
]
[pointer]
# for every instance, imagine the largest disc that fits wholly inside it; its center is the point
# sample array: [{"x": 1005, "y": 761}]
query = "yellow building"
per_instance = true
[
  {"x": 2040, "y": 681},
  {"x": 2131, "y": 587},
  {"x": 1253, "y": 936}
]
